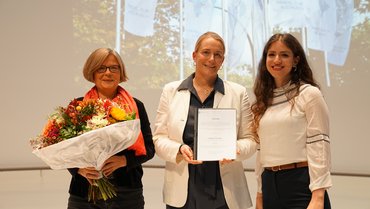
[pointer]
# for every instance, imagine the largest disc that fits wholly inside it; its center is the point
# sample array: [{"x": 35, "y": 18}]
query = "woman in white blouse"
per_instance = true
[{"x": 292, "y": 125}]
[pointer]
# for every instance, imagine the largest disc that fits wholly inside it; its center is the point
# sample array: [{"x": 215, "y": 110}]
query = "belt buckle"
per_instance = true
[{"x": 276, "y": 168}]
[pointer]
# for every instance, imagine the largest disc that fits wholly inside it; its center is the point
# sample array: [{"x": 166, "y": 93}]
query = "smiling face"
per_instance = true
[
  {"x": 107, "y": 82},
  {"x": 209, "y": 57},
  {"x": 279, "y": 62}
]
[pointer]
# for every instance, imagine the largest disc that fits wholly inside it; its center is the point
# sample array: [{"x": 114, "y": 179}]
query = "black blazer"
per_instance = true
[{"x": 128, "y": 176}]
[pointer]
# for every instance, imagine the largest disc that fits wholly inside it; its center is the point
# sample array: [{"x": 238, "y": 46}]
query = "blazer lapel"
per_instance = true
[
  {"x": 180, "y": 108},
  {"x": 217, "y": 99},
  {"x": 183, "y": 103}
]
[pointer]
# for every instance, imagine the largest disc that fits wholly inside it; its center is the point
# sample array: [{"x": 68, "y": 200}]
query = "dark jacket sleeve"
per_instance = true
[{"x": 132, "y": 160}]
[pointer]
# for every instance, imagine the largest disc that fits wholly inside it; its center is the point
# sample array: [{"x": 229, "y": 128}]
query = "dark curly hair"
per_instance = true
[{"x": 264, "y": 83}]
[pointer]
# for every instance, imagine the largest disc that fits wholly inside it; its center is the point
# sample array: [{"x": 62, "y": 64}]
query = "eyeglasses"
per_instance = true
[{"x": 112, "y": 69}]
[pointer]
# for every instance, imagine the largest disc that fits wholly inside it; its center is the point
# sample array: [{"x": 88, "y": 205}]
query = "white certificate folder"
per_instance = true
[{"x": 215, "y": 134}]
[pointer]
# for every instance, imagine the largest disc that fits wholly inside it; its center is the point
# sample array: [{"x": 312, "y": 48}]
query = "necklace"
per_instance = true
[{"x": 202, "y": 90}]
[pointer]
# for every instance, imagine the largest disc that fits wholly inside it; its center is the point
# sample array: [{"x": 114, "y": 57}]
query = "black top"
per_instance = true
[
  {"x": 205, "y": 186},
  {"x": 195, "y": 103},
  {"x": 128, "y": 176}
]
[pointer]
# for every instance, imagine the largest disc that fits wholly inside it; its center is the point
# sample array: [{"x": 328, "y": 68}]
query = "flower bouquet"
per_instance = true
[{"x": 85, "y": 134}]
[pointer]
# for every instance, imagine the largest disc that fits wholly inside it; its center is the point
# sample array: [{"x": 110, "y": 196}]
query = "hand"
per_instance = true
[
  {"x": 89, "y": 173},
  {"x": 317, "y": 199},
  {"x": 259, "y": 203},
  {"x": 225, "y": 161},
  {"x": 187, "y": 154},
  {"x": 316, "y": 204},
  {"x": 113, "y": 163}
]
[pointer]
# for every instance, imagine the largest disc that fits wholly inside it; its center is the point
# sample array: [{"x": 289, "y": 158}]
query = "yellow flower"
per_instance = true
[
  {"x": 78, "y": 108},
  {"x": 118, "y": 113}
]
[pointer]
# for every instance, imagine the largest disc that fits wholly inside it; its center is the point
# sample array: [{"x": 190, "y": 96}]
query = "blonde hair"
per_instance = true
[
  {"x": 209, "y": 34},
  {"x": 95, "y": 60}
]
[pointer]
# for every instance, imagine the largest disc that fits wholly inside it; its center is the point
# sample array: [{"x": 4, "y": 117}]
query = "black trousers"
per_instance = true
[
  {"x": 197, "y": 200},
  {"x": 126, "y": 199},
  {"x": 288, "y": 189},
  {"x": 205, "y": 189}
]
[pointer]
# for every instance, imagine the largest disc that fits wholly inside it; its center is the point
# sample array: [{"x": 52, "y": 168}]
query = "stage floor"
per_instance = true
[{"x": 45, "y": 189}]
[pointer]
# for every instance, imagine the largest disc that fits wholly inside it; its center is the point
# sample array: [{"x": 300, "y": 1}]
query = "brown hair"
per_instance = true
[
  {"x": 264, "y": 83},
  {"x": 95, "y": 60}
]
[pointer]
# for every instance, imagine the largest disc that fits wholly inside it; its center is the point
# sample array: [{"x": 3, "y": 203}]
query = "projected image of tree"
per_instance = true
[{"x": 156, "y": 39}]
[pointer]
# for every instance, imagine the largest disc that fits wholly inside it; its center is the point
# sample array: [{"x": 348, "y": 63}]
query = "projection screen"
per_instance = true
[{"x": 44, "y": 45}]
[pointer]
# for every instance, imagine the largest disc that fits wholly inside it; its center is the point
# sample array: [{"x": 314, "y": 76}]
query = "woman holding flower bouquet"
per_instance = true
[
  {"x": 123, "y": 171},
  {"x": 189, "y": 183}
]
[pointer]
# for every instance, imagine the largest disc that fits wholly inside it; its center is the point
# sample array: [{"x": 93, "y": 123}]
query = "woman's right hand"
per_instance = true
[
  {"x": 89, "y": 173},
  {"x": 259, "y": 204},
  {"x": 187, "y": 155}
]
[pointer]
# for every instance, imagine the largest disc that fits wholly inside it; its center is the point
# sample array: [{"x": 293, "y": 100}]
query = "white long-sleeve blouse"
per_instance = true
[{"x": 297, "y": 133}]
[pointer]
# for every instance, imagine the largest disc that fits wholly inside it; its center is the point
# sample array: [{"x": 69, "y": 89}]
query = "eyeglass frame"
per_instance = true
[{"x": 112, "y": 69}]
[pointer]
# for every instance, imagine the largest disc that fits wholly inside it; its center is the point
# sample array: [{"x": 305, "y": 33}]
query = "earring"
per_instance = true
[{"x": 294, "y": 68}]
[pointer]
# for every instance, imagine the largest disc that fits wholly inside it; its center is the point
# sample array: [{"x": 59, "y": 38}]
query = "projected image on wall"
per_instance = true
[
  {"x": 46, "y": 43},
  {"x": 157, "y": 38}
]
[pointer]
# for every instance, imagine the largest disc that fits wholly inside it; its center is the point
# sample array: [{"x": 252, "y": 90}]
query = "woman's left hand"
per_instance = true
[
  {"x": 315, "y": 204},
  {"x": 113, "y": 163},
  {"x": 225, "y": 161},
  {"x": 317, "y": 199}
]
